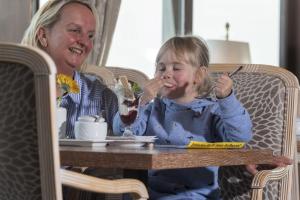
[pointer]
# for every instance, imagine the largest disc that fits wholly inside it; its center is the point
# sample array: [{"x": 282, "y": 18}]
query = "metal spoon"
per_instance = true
[{"x": 213, "y": 87}]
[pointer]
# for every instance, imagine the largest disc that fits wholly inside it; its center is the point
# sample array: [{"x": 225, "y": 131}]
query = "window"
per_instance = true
[
  {"x": 138, "y": 35},
  {"x": 252, "y": 21}
]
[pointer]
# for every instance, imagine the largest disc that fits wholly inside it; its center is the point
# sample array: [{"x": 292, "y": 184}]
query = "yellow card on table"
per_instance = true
[{"x": 215, "y": 145}]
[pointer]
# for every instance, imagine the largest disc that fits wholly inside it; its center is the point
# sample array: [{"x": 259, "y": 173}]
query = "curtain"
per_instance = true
[
  {"x": 183, "y": 16},
  {"x": 290, "y": 36},
  {"x": 108, "y": 11}
]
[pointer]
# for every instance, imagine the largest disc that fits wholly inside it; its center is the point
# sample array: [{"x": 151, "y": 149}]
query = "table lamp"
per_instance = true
[{"x": 227, "y": 51}]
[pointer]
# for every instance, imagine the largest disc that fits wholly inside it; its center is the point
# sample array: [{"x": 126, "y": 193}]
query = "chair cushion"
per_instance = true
[{"x": 19, "y": 160}]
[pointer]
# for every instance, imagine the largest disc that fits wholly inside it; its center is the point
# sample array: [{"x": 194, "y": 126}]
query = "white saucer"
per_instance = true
[
  {"x": 132, "y": 139},
  {"x": 83, "y": 143},
  {"x": 128, "y": 143}
]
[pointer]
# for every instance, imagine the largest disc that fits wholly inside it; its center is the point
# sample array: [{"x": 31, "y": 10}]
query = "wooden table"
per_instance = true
[
  {"x": 160, "y": 158},
  {"x": 135, "y": 163}
]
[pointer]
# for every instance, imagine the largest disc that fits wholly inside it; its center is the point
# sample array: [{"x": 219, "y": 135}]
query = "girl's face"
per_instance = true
[
  {"x": 179, "y": 75},
  {"x": 70, "y": 39}
]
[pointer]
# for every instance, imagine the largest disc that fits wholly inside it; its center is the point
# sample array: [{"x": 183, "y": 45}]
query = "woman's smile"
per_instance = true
[{"x": 76, "y": 50}]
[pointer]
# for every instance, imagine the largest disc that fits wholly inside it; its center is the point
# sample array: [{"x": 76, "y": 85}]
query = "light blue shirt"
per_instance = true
[
  {"x": 94, "y": 98},
  {"x": 201, "y": 120}
]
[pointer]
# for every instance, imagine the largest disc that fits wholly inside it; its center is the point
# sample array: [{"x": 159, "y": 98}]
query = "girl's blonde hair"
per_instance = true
[
  {"x": 194, "y": 51},
  {"x": 48, "y": 15}
]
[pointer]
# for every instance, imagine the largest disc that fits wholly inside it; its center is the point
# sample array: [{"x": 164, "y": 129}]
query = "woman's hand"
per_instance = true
[
  {"x": 223, "y": 86},
  {"x": 151, "y": 89},
  {"x": 279, "y": 161}
]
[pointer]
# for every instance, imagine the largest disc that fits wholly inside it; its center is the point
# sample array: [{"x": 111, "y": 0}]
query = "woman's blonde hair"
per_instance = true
[
  {"x": 194, "y": 51},
  {"x": 48, "y": 15}
]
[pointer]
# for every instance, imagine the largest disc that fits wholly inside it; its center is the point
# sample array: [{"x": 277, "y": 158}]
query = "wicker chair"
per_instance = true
[
  {"x": 108, "y": 75},
  {"x": 133, "y": 75},
  {"x": 104, "y": 74},
  {"x": 29, "y": 151},
  {"x": 270, "y": 96}
]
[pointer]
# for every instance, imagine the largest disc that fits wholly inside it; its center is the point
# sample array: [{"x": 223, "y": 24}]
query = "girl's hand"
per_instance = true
[
  {"x": 223, "y": 86},
  {"x": 151, "y": 90}
]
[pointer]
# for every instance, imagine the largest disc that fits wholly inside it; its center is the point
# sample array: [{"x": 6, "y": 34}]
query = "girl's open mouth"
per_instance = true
[{"x": 169, "y": 85}]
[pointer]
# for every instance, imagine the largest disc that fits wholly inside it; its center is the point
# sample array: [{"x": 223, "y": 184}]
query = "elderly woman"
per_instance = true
[{"x": 65, "y": 29}]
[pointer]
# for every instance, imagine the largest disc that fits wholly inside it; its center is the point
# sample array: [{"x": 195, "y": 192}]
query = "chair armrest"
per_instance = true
[
  {"x": 94, "y": 184},
  {"x": 262, "y": 177}
]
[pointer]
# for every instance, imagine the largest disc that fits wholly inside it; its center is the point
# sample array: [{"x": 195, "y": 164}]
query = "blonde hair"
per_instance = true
[
  {"x": 194, "y": 51},
  {"x": 48, "y": 15}
]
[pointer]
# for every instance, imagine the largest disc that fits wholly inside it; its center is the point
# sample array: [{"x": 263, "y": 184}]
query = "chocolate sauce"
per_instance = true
[{"x": 129, "y": 119}]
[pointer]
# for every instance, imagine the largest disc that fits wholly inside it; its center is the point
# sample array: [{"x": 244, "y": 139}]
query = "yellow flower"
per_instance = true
[{"x": 66, "y": 85}]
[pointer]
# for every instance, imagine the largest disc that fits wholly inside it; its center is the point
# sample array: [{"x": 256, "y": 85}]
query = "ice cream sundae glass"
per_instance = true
[{"x": 128, "y": 103}]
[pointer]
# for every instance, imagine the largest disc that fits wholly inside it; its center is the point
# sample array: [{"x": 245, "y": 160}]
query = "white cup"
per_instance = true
[
  {"x": 87, "y": 130},
  {"x": 61, "y": 124}
]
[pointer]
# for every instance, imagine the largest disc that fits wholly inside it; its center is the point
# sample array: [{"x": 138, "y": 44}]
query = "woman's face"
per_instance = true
[{"x": 70, "y": 39}]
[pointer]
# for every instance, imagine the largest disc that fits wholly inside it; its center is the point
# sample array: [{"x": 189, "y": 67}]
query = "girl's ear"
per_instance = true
[
  {"x": 41, "y": 35},
  {"x": 201, "y": 72}
]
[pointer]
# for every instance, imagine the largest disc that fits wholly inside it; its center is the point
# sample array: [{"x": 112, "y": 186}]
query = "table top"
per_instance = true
[{"x": 160, "y": 158}]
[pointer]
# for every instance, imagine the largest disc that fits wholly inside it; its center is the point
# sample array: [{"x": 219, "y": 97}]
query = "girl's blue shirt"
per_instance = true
[{"x": 211, "y": 120}]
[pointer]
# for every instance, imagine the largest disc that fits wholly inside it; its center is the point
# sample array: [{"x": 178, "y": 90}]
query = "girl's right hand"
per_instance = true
[
  {"x": 223, "y": 86},
  {"x": 151, "y": 89}
]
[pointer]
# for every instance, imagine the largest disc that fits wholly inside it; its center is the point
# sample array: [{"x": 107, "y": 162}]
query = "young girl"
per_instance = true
[{"x": 179, "y": 116}]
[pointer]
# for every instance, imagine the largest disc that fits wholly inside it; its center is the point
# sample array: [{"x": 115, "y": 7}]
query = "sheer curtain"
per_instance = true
[{"x": 108, "y": 11}]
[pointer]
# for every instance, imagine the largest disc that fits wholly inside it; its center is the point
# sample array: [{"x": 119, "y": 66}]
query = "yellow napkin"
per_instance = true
[{"x": 215, "y": 145}]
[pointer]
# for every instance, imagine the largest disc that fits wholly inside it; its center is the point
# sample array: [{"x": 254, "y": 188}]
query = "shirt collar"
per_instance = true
[{"x": 196, "y": 105}]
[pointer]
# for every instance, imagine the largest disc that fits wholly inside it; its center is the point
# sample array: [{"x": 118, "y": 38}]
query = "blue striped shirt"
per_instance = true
[{"x": 93, "y": 98}]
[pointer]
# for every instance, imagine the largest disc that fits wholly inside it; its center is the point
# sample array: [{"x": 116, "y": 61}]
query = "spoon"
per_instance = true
[{"x": 213, "y": 87}]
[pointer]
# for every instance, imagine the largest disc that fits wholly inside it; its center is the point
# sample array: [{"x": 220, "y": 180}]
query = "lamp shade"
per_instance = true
[{"x": 226, "y": 51}]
